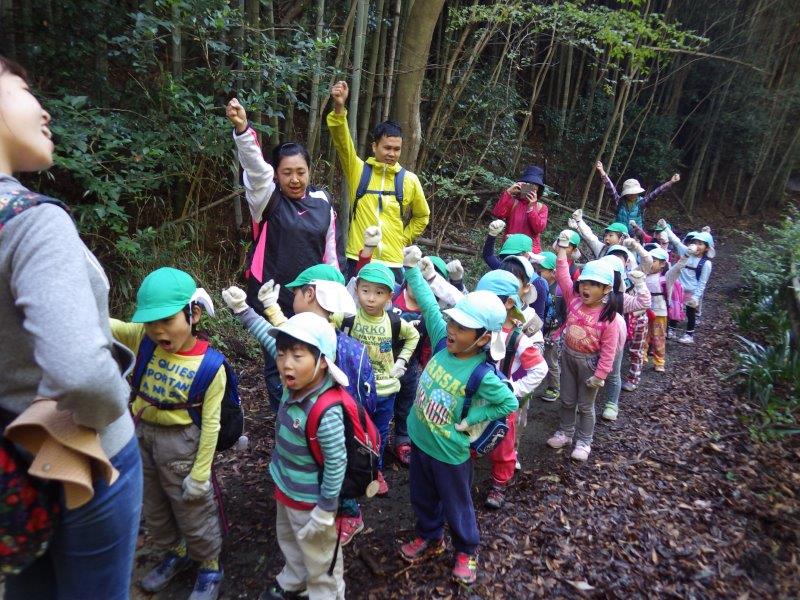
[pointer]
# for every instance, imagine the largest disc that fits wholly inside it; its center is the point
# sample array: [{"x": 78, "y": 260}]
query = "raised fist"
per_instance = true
[
  {"x": 372, "y": 236},
  {"x": 339, "y": 93},
  {"x": 496, "y": 227},
  {"x": 236, "y": 115},
  {"x": 411, "y": 256},
  {"x": 455, "y": 270}
]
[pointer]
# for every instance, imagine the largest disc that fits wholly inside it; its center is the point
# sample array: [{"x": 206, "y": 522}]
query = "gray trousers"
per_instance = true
[
  {"x": 613, "y": 385},
  {"x": 577, "y": 399}
]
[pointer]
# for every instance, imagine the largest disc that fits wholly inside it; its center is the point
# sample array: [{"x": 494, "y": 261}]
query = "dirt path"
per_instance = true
[{"x": 674, "y": 501}]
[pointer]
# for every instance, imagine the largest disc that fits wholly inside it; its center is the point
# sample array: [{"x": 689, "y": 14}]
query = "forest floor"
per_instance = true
[{"x": 676, "y": 499}]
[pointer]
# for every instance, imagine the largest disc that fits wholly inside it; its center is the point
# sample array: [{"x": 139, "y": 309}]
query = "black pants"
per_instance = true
[{"x": 691, "y": 320}]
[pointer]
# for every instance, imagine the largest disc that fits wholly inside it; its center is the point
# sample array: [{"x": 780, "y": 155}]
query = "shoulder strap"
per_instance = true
[
  {"x": 18, "y": 201},
  {"x": 512, "y": 343},
  {"x": 209, "y": 366},
  {"x": 363, "y": 184},
  {"x": 396, "y": 321},
  {"x": 347, "y": 324},
  {"x": 328, "y": 398},
  {"x": 698, "y": 270},
  {"x": 145, "y": 352},
  {"x": 473, "y": 383},
  {"x": 398, "y": 186}
]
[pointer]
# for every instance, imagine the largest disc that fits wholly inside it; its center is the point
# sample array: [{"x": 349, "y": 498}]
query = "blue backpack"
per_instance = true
[
  {"x": 352, "y": 358},
  {"x": 231, "y": 421},
  {"x": 698, "y": 270}
]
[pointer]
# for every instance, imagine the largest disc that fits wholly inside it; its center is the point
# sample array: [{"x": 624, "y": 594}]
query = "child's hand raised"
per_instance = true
[
  {"x": 563, "y": 238},
  {"x": 496, "y": 227},
  {"x": 630, "y": 243},
  {"x": 632, "y": 225},
  {"x": 236, "y": 115},
  {"x": 411, "y": 256},
  {"x": 637, "y": 278},
  {"x": 455, "y": 271},
  {"x": 372, "y": 236},
  {"x": 599, "y": 166},
  {"x": 427, "y": 269},
  {"x": 268, "y": 294},
  {"x": 662, "y": 224},
  {"x": 235, "y": 299}
]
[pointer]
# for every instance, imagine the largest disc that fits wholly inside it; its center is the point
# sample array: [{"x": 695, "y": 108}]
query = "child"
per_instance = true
[
  {"x": 661, "y": 289},
  {"x": 629, "y": 205},
  {"x": 372, "y": 326},
  {"x": 524, "y": 367},
  {"x": 179, "y": 506},
  {"x": 555, "y": 312},
  {"x": 573, "y": 240},
  {"x": 318, "y": 290},
  {"x": 694, "y": 277},
  {"x": 590, "y": 341},
  {"x": 523, "y": 212},
  {"x": 441, "y": 469},
  {"x": 307, "y": 497},
  {"x": 614, "y": 234}
]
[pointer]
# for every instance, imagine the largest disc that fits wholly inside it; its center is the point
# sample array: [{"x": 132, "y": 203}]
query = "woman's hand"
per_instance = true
[{"x": 236, "y": 115}]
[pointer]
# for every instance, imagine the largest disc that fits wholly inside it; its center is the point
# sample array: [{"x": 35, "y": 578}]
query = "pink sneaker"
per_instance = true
[
  {"x": 466, "y": 569},
  {"x": 348, "y": 527},
  {"x": 403, "y": 454},
  {"x": 419, "y": 548},
  {"x": 559, "y": 440}
]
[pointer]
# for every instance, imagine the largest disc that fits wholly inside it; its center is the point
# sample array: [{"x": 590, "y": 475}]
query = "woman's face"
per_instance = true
[
  {"x": 292, "y": 175},
  {"x": 25, "y": 143}
]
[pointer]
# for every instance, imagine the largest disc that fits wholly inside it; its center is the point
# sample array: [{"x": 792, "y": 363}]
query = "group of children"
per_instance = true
[{"x": 441, "y": 362}]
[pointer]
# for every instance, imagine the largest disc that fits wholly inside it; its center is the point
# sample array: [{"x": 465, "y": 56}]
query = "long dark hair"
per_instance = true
[
  {"x": 614, "y": 304},
  {"x": 281, "y": 151}
]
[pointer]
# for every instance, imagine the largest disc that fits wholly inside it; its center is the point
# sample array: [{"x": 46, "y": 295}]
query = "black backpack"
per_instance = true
[{"x": 396, "y": 322}]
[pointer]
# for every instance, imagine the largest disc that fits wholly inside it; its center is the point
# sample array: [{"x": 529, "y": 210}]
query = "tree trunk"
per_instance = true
[
  {"x": 358, "y": 66},
  {"x": 626, "y": 94},
  {"x": 269, "y": 22},
  {"x": 380, "y": 76},
  {"x": 366, "y": 108},
  {"x": 254, "y": 24},
  {"x": 177, "y": 51},
  {"x": 387, "y": 92},
  {"x": 412, "y": 64},
  {"x": 314, "y": 103},
  {"x": 562, "y": 121}
]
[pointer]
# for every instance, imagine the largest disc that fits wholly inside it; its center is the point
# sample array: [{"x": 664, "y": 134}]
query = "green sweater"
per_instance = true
[{"x": 440, "y": 394}]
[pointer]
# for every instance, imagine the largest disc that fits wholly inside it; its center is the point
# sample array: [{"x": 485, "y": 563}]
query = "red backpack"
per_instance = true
[{"x": 361, "y": 439}]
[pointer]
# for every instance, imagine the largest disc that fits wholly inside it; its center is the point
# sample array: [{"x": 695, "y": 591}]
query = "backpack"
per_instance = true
[
  {"x": 675, "y": 310},
  {"x": 17, "y": 201},
  {"x": 231, "y": 421},
  {"x": 363, "y": 184},
  {"x": 698, "y": 270},
  {"x": 396, "y": 322},
  {"x": 361, "y": 440},
  {"x": 352, "y": 358},
  {"x": 512, "y": 343},
  {"x": 493, "y": 432}
]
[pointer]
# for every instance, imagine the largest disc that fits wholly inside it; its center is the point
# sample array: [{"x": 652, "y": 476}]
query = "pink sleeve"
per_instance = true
[
  {"x": 537, "y": 220},
  {"x": 330, "y": 256},
  {"x": 503, "y": 207},
  {"x": 608, "y": 350},
  {"x": 563, "y": 279},
  {"x": 641, "y": 301}
]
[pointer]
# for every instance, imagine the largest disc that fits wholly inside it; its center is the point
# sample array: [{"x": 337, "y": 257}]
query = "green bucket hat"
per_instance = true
[
  {"x": 439, "y": 265},
  {"x": 163, "y": 293},
  {"x": 618, "y": 228},
  {"x": 516, "y": 243},
  {"x": 324, "y": 272},
  {"x": 377, "y": 273}
]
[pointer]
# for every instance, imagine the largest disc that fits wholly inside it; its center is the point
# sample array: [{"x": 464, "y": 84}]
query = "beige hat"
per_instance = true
[
  {"x": 63, "y": 451},
  {"x": 631, "y": 186},
  {"x": 334, "y": 297}
]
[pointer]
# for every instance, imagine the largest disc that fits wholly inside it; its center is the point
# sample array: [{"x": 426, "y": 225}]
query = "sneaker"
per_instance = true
[
  {"x": 160, "y": 575},
  {"x": 517, "y": 466},
  {"x": 550, "y": 395},
  {"x": 610, "y": 412},
  {"x": 496, "y": 498},
  {"x": 686, "y": 338},
  {"x": 671, "y": 335},
  {"x": 559, "y": 440},
  {"x": 628, "y": 386},
  {"x": 659, "y": 368},
  {"x": 276, "y": 592},
  {"x": 419, "y": 548},
  {"x": 206, "y": 587},
  {"x": 581, "y": 451},
  {"x": 466, "y": 568},
  {"x": 383, "y": 487},
  {"x": 348, "y": 527},
  {"x": 403, "y": 453}
]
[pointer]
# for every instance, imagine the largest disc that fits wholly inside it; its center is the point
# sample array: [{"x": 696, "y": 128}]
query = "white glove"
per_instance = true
[
  {"x": 411, "y": 256},
  {"x": 496, "y": 227},
  {"x": 595, "y": 382},
  {"x": 630, "y": 243},
  {"x": 320, "y": 520},
  {"x": 578, "y": 215},
  {"x": 692, "y": 302},
  {"x": 637, "y": 278},
  {"x": 462, "y": 425},
  {"x": 572, "y": 223},
  {"x": 631, "y": 225},
  {"x": 706, "y": 229},
  {"x": 193, "y": 489},
  {"x": 235, "y": 298},
  {"x": 662, "y": 237},
  {"x": 563, "y": 238},
  {"x": 372, "y": 236},
  {"x": 427, "y": 269},
  {"x": 692, "y": 249},
  {"x": 662, "y": 224},
  {"x": 455, "y": 271},
  {"x": 399, "y": 368},
  {"x": 268, "y": 294},
  {"x": 532, "y": 326}
]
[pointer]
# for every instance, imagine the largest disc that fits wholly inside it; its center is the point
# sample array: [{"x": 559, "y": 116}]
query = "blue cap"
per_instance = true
[
  {"x": 621, "y": 248},
  {"x": 703, "y": 236},
  {"x": 316, "y": 331},
  {"x": 479, "y": 310},
  {"x": 503, "y": 283},
  {"x": 617, "y": 266},
  {"x": 600, "y": 271}
]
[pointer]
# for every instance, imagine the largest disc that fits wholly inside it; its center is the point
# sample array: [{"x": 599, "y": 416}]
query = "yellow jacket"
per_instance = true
[{"x": 390, "y": 220}]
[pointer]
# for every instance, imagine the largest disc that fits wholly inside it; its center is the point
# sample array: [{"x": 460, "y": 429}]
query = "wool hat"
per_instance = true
[
  {"x": 631, "y": 186},
  {"x": 377, "y": 273},
  {"x": 532, "y": 174},
  {"x": 315, "y": 331},
  {"x": 322, "y": 271},
  {"x": 516, "y": 243}
]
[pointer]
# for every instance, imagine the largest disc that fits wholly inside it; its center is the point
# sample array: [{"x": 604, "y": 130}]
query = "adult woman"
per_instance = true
[
  {"x": 55, "y": 342},
  {"x": 294, "y": 224},
  {"x": 521, "y": 208}
]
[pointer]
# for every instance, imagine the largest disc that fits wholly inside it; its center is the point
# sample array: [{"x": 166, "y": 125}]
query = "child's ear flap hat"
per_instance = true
[
  {"x": 600, "y": 271},
  {"x": 707, "y": 238},
  {"x": 334, "y": 297},
  {"x": 482, "y": 310},
  {"x": 318, "y": 332},
  {"x": 620, "y": 228},
  {"x": 503, "y": 283},
  {"x": 616, "y": 265},
  {"x": 165, "y": 292},
  {"x": 631, "y": 187},
  {"x": 659, "y": 253}
]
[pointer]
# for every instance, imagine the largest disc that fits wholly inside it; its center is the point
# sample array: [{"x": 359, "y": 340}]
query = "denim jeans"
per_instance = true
[
  {"x": 91, "y": 553},
  {"x": 384, "y": 412}
]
